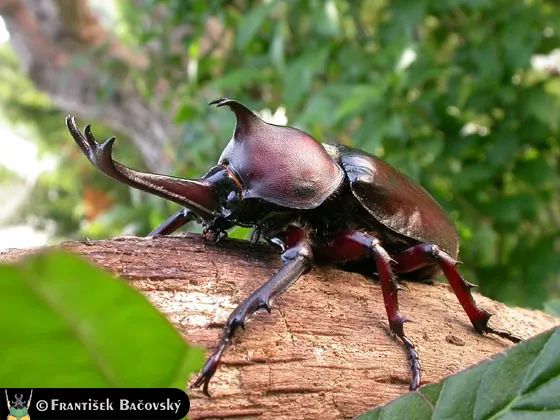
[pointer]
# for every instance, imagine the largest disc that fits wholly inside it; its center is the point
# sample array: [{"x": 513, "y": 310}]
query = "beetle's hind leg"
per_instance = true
[
  {"x": 297, "y": 261},
  {"x": 422, "y": 255},
  {"x": 173, "y": 223}
]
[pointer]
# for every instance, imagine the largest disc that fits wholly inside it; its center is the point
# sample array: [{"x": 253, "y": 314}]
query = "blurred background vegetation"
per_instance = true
[{"x": 462, "y": 95}]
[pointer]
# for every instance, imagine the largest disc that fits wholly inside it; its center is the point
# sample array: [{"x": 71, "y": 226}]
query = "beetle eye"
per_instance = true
[{"x": 232, "y": 197}]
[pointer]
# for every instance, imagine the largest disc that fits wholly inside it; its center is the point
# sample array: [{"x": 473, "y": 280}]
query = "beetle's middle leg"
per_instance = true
[
  {"x": 356, "y": 245},
  {"x": 297, "y": 260},
  {"x": 423, "y": 255}
]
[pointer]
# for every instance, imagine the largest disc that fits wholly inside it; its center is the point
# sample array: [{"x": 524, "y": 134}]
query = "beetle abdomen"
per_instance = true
[{"x": 396, "y": 201}]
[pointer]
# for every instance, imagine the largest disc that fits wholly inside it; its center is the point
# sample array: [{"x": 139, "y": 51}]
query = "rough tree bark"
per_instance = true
[
  {"x": 67, "y": 53},
  {"x": 325, "y": 350}
]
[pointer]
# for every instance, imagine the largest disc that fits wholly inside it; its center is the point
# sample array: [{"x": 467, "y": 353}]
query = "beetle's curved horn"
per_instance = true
[
  {"x": 247, "y": 120},
  {"x": 199, "y": 196},
  {"x": 7, "y": 399},
  {"x": 277, "y": 163}
]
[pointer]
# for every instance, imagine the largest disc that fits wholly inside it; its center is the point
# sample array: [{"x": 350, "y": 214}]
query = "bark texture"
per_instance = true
[
  {"x": 325, "y": 350},
  {"x": 67, "y": 53}
]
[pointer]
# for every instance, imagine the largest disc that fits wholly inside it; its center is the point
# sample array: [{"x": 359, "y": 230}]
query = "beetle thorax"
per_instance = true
[{"x": 282, "y": 165}]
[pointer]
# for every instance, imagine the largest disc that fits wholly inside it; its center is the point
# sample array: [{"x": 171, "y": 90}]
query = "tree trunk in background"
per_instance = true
[
  {"x": 68, "y": 54},
  {"x": 325, "y": 350}
]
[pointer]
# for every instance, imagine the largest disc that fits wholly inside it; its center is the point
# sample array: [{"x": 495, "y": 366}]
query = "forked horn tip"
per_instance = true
[
  {"x": 70, "y": 121},
  {"x": 107, "y": 146},
  {"x": 243, "y": 113},
  {"x": 222, "y": 101}
]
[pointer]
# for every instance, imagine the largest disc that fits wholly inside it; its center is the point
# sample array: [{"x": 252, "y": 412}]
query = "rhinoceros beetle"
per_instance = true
[{"x": 320, "y": 204}]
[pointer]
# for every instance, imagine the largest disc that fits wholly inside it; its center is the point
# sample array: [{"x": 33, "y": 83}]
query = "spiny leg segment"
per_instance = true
[
  {"x": 356, "y": 245},
  {"x": 297, "y": 261},
  {"x": 423, "y": 255},
  {"x": 389, "y": 288}
]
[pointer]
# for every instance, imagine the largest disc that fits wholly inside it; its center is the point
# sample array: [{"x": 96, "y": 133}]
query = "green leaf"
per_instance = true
[
  {"x": 523, "y": 382},
  {"x": 186, "y": 112},
  {"x": 298, "y": 78},
  {"x": 358, "y": 99},
  {"x": 552, "y": 307},
  {"x": 68, "y": 324},
  {"x": 544, "y": 108},
  {"x": 251, "y": 23}
]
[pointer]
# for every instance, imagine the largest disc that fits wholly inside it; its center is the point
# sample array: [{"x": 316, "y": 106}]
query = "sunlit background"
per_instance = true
[{"x": 462, "y": 96}]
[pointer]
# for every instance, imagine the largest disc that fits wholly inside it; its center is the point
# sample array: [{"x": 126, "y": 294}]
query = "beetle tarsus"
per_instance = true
[
  {"x": 298, "y": 262},
  {"x": 397, "y": 327},
  {"x": 414, "y": 362},
  {"x": 504, "y": 334},
  {"x": 209, "y": 369},
  {"x": 482, "y": 327}
]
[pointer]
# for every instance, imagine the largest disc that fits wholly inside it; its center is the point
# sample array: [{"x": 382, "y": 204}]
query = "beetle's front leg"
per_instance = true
[
  {"x": 297, "y": 261},
  {"x": 173, "y": 223},
  {"x": 423, "y": 255}
]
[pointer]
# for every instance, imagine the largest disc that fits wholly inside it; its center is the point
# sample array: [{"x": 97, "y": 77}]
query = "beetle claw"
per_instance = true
[
  {"x": 209, "y": 370},
  {"x": 482, "y": 327},
  {"x": 502, "y": 333},
  {"x": 204, "y": 381}
]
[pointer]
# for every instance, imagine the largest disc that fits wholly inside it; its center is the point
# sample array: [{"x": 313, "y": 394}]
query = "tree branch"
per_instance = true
[
  {"x": 68, "y": 54},
  {"x": 324, "y": 352}
]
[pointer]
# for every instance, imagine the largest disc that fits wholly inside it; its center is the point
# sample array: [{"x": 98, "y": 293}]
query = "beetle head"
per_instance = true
[{"x": 282, "y": 165}]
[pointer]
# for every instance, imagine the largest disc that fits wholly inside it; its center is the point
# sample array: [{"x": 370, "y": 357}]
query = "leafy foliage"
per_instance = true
[
  {"x": 68, "y": 324},
  {"x": 524, "y": 382},
  {"x": 445, "y": 91},
  {"x": 552, "y": 307}
]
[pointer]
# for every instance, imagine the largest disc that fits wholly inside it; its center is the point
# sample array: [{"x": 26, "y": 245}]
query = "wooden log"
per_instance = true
[{"x": 324, "y": 352}]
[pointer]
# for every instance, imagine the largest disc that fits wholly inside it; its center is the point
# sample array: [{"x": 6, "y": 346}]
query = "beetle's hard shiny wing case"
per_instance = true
[
  {"x": 281, "y": 165},
  {"x": 396, "y": 201}
]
